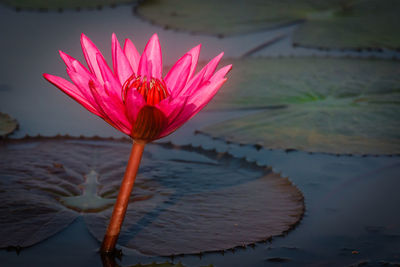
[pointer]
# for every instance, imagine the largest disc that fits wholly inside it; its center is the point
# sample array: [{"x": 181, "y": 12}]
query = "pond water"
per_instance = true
[{"x": 351, "y": 202}]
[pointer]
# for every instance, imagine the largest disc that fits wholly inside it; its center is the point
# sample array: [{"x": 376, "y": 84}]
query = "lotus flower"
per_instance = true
[{"x": 136, "y": 99}]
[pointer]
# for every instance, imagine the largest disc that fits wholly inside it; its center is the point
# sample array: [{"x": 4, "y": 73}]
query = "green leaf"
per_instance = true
[
  {"x": 7, "y": 124},
  {"x": 357, "y": 24},
  {"x": 324, "y": 105},
  {"x": 227, "y": 17}
]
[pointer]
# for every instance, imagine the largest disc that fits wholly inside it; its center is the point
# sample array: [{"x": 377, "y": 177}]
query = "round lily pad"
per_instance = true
[
  {"x": 185, "y": 200},
  {"x": 227, "y": 17},
  {"x": 314, "y": 104},
  {"x": 7, "y": 124},
  {"x": 355, "y": 25},
  {"x": 57, "y": 4}
]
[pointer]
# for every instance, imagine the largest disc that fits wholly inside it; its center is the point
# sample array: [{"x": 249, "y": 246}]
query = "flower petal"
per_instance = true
[
  {"x": 202, "y": 76},
  {"x": 73, "y": 64},
  {"x": 132, "y": 54},
  {"x": 194, "y": 52},
  {"x": 71, "y": 90},
  {"x": 203, "y": 93},
  {"x": 81, "y": 80},
  {"x": 177, "y": 77},
  {"x": 114, "y": 112},
  {"x": 113, "y": 87},
  {"x": 134, "y": 101},
  {"x": 198, "y": 100},
  {"x": 90, "y": 52},
  {"x": 211, "y": 66},
  {"x": 150, "y": 64},
  {"x": 192, "y": 109},
  {"x": 122, "y": 67}
]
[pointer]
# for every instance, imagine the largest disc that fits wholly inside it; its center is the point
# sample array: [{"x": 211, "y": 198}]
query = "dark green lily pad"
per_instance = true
[
  {"x": 7, "y": 124},
  {"x": 227, "y": 17},
  {"x": 181, "y": 203},
  {"x": 321, "y": 105},
  {"x": 327, "y": 24},
  {"x": 358, "y": 24},
  {"x": 57, "y": 4}
]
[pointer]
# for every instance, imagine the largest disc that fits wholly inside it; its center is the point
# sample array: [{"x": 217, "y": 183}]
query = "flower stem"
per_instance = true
[{"x": 117, "y": 217}]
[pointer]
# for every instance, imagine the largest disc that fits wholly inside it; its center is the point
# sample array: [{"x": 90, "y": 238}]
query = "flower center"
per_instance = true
[{"x": 153, "y": 90}]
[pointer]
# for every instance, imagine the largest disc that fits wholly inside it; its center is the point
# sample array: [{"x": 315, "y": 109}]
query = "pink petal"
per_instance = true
[
  {"x": 143, "y": 68},
  {"x": 67, "y": 59},
  {"x": 81, "y": 80},
  {"x": 211, "y": 66},
  {"x": 134, "y": 101},
  {"x": 193, "y": 84},
  {"x": 177, "y": 77},
  {"x": 113, "y": 85},
  {"x": 192, "y": 108},
  {"x": 114, "y": 112},
  {"x": 172, "y": 106},
  {"x": 203, "y": 75},
  {"x": 132, "y": 54},
  {"x": 71, "y": 90},
  {"x": 194, "y": 52},
  {"x": 72, "y": 63},
  {"x": 122, "y": 67},
  {"x": 90, "y": 52},
  {"x": 201, "y": 94},
  {"x": 151, "y": 61}
]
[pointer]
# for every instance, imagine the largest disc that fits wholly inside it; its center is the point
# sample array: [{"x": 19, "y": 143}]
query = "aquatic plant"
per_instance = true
[{"x": 136, "y": 99}]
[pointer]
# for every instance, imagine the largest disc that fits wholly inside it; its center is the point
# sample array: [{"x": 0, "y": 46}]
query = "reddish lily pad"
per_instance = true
[
  {"x": 321, "y": 105},
  {"x": 181, "y": 199},
  {"x": 7, "y": 124}
]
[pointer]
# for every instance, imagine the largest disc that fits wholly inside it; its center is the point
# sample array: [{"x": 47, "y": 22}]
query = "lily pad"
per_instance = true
[
  {"x": 57, "y": 4},
  {"x": 327, "y": 24},
  {"x": 356, "y": 25},
  {"x": 314, "y": 104},
  {"x": 228, "y": 17},
  {"x": 7, "y": 124},
  {"x": 182, "y": 200}
]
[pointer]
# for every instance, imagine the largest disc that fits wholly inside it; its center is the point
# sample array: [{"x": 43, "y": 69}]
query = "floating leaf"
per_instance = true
[
  {"x": 236, "y": 17},
  {"x": 45, "y": 4},
  {"x": 323, "y": 105},
  {"x": 182, "y": 198},
  {"x": 356, "y": 24},
  {"x": 327, "y": 24},
  {"x": 339, "y": 130},
  {"x": 7, "y": 124}
]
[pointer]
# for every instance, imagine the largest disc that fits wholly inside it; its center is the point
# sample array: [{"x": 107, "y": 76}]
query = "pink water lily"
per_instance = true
[{"x": 136, "y": 98}]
